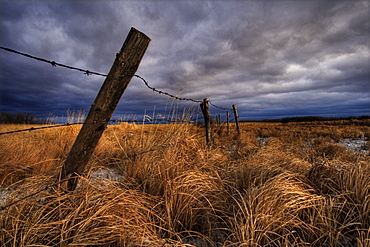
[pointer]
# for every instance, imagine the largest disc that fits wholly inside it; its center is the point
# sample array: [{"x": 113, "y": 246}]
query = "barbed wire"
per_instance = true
[
  {"x": 152, "y": 120},
  {"x": 112, "y": 120},
  {"x": 38, "y": 128},
  {"x": 219, "y": 107},
  {"x": 53, "y": 63},
  {"x": 88, "y": 72},
  {"x": 176, "y": 97},
  {"x": 165, "y": 93}
]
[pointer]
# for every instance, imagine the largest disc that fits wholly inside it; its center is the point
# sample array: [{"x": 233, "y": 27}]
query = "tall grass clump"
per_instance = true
[
  {"x": 269, "y": 214},
  {"x": 96, "y": 214}
]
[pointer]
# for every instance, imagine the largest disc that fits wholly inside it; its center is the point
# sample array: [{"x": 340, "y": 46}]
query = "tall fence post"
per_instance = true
[
  {"x": 236, "y": 118},
  {"x": 207, "y": 120},
  {"x": 123, "y": 69}
]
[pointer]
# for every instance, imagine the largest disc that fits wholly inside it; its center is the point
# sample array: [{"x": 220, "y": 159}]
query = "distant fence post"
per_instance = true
[
  {"x": 123, "y": 69},
  {"x": 236, "y": 118},
  {"x": 207, "y": 120}
]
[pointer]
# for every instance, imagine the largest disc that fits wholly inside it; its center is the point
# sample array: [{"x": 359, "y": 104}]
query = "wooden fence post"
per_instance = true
[
  {"x": 236, "y": 118},
  {"x": 123, "y": 69},
  {"x": 207, "y": 120}
]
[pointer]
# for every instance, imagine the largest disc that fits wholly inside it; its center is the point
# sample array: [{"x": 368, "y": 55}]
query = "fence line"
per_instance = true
[
  {"x": 152, "y": 120},
  {"x": 112, "y": 120},
  {"x": 88, "y": 72},
  {"x": 67, "y": 170}
]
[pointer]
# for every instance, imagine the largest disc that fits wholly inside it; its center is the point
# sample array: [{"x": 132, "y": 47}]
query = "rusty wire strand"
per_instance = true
[
  {"x": 112, "y": 120},
  {"x": 88, "y": 72},
  {"x": 219, "y": 107},
  {"x": 44, "y": 127},
  {"x": 53, "y": 63},
  {"x": 175, "y": 97},
  {"x": 151, "y": 120},
  {"x": 165, "y": 93}
]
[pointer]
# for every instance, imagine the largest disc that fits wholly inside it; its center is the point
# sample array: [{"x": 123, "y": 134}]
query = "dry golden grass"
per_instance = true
[{"x": 272, "y": 185}]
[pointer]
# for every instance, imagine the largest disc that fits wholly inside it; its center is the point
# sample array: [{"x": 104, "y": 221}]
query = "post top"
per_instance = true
[{"x": 134, "y": 30}]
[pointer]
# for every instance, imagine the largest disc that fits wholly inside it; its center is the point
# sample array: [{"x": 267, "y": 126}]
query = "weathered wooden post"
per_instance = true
[
  {"x": 123, "y": 69},
  {"x": 236, "y": 118},
  {"x": 207, "y": 120}
]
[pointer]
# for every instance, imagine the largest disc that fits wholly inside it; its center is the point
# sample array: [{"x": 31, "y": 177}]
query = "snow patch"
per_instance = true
[
  {"x": 106, "y": 174},
  {"x": 3, "y": 196},
  {"x": 359, "y": 145},
  {"x": 98, "y": 176},
  {"x": 262, "y": 140}
]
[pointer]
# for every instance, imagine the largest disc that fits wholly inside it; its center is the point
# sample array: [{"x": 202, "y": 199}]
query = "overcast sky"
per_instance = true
[{"x": 272, "y": 59}]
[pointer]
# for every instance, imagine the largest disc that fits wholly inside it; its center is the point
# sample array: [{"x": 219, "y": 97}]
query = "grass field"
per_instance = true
[{"x": 271, "y": 185}]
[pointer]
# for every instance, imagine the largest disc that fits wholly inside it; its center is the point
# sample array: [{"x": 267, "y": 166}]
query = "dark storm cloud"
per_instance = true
[{"x": 271, "y": 58}]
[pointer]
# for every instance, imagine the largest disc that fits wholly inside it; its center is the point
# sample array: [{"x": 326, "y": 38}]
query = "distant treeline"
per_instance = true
[
  {"x": 20, "y": 118},
  {"x": 308, "y": 119}
]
